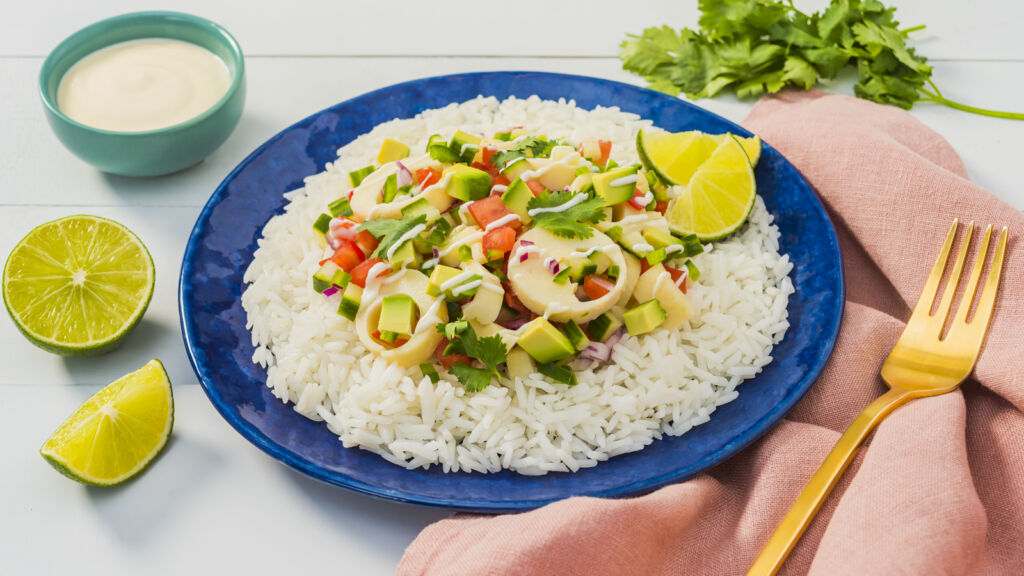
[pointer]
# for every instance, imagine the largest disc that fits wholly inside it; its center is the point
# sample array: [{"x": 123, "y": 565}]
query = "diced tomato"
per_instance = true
[
  {"x": 637, "y": 200},
  {"x": 501, "y": 180},
  {"x": 350, "y": 193},
  {"x": 342, "y": 228},
  {"x": 513, "y": 302},
  {"x": 661, "y": 206},
  {"x": 595, "y": 286},
  {"x": 359, "y": 272},
  {"x": 490, "y": 209},
  {"x": 535, "y": 187},
  {"x": 368, "y": 242},
  {"x": 606, "y": 151},
  {"x": 427, "y": 176},
  {"x": 398, "y": 341},
  {"x": 447, "y": 360},
  {"x": 676, "y": 275},
  {"x": 502, "y": 238},
  {"x": 644, "y": 265},
  {"x": 485, "y": 156},
  {"x": 486, "y": 167},
  {"x": 347, "y": 255}
]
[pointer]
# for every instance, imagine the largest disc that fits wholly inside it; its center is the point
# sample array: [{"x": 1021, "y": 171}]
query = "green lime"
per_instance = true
[
  {"x": 752, "y": 145},
  {"x": 719, "y": 197},
  {"x": 675, "y": 157},
  {"x": 118, "y": 431},
  {"x": 78, "y": 285}
]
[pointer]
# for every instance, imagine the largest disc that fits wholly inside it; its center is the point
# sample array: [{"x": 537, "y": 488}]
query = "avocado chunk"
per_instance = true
[
  {"x": 450, "y": 282},
  {"x": 616, "y": 186},
  {"x": 519, "y": 363},
  {"x": 392, "y": 150},
  {"x": 467, "y": 183},
  {"x": 544, "y": 342},
  {"x": 465, "y": 145},
  {"x": 517, "y": 196},
  {"x": 350, "y": 301},
  {"x": 398, "y": 315},
  {"x": 330, "y": 274},
  {"x": 644, "y": 318},
  {"x": 600, "y": 328},
  {"x": 421, "y": 206},
  {"x": 405, "y": 255},
  {"x": 659, "y": 238},
  {"x": 575, "y": 335}
]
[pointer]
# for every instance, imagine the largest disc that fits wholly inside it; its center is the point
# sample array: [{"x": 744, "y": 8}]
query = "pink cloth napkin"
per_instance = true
[{"x": 938, "y": 489}]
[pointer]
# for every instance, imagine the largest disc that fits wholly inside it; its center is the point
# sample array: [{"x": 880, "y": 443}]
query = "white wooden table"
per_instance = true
[{"x": 213, "y": 503}]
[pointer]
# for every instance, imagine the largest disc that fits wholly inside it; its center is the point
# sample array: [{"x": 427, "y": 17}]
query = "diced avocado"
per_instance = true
[
  {"x": 442, "y": 153},
  {"x": 575, "y": 335},
  {"x": 517, "y": 197},
  {"x": 562, "y": 277},
  {"x": 519, "y": 363},
  {"x": 544, "y": 342},
  {"x": 350, "y": 300},
  {"x": 340, "y": 207},
  {"x": 516, "y": 168},
  {"x": 323, "y": 223},
  {"x": 404, "y": 256},
  {"x": 616, "y": 186},
  {"x": 562, "y": 374},
  {"x": 644, "y": 318},
  {"x": 421, "y": 206},
  {"x": 442, "y": 275},
  {"x": 467, "y": 183},
  {"x": 398, "y": 315},
  {"x": 357, "y": 176},
  {"x": 659, "y": 238},
  {"x": 392, "y": 150},
  {"x": 600, "y": 328},
  {"x": 330, "y": 274},
  {"x": 465, "y": 145}
]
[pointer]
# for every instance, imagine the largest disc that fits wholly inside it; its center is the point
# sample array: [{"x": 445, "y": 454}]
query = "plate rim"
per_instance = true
[{"x": 756, "y": 431}]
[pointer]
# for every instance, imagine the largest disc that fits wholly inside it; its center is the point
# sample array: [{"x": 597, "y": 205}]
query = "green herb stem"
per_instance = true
[
  {"x": 938, "y": 98},
  {"x": 907, "y": 31}
]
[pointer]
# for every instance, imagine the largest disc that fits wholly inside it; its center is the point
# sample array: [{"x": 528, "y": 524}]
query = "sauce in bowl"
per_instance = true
[{"x": 142, "y": 85}]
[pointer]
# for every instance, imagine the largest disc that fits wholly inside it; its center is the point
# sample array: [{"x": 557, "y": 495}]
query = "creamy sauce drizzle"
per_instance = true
[
  {"x": 577, "y": 199},
  {"x": 506, "y": 219}
]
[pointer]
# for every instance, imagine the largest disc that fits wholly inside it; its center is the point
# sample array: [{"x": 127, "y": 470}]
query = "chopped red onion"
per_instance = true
[
  {"x": 597, "y": 351},
  {"x": 552, "y": 265},
  {"x": 404, "y": 175},
  {"x": 436, "y": 252},
  {"x": 612, "y": 340},
  {"x": 526, "y": 243},
  {"x": 331, "y": 291},
  {"x": 332, "y": 241},
  {"x": 513, "y": 324},
  {"x": 524, "y": 257}
]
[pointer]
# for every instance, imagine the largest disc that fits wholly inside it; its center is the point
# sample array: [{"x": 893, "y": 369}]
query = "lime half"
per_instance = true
[
  {"x": 78, "y": 285},
  {"x": 674, "y": 157},
  {"x": 719, "y": 197},
  {"x": 118, "y": 431},
  {"x": 752, "y": 145}
]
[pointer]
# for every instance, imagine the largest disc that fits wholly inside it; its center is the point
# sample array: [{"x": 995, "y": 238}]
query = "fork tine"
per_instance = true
[
  {"x": 923, "y": 309},
  {"x": 971, "y": 293},
  {"x": 987, "y": 300}
]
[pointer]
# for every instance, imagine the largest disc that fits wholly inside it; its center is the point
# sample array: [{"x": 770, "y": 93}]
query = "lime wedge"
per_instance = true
[
  {"x": 752, "y": 145},
  {"x": 78, "y": 285},
  {"x": 118, "y": 431},
  {"x": 674, "y": 157},
  {"x": 719, "y": 197}
]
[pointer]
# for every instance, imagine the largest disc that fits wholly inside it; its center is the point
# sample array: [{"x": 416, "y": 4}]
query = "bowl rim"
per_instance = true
[{"x": 88, "y": 32}]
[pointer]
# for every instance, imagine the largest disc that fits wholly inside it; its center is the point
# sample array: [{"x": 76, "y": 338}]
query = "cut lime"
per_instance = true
[
  {"x": 719, "y": 197},
  {"x": 77, "y": 286},
  {"x": 752, "y": 145},
  {"x": 674, "y": 157},
  {"x": 118, "y": 431}
]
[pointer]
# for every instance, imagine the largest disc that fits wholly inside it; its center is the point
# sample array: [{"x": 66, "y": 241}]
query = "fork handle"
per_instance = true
[{"x": 807, "y": 504}]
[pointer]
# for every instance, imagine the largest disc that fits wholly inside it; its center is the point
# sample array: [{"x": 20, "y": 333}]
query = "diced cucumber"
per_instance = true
[
  {"x": 600, "y": 328},
  {"x": 562, "y": 374},
  {"x": 575, "y": 335},
  {"x": 562, "y": 276},
  {"x": 429, "y": 371},
  {"x": 692, "y": 272},
  {"x": 613, "y": 272},
  {"x": 350, "y": 300},
  {"x": 330, "y": 274},
  {"x": 357, "y": 176},
  {"x": 390, "y": 188},
  {"x": 340, "y": 207},
  {"x": 442, "y": 153},
  {"x": 465, "y": 144},
  {"x": 421, "y": 206},
  {"x": 388, "y": 336},
  {"x": 503, "y": 136},
  {"x": 465, "y": 253},
  {"x": 323, "y": 223}
]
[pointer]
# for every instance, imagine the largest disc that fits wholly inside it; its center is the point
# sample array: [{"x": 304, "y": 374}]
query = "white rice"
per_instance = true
[{"x": 659, "y": 384}]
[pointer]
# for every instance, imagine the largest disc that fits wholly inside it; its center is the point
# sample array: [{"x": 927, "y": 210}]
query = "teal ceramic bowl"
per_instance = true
[{"x": 152, "y": 152}]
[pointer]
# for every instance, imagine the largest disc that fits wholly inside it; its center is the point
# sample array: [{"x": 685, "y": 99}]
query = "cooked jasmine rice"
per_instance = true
[{"x": 662, "y": 383}]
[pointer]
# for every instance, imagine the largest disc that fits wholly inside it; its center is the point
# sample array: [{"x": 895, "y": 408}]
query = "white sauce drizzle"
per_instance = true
[
  {"x": 430, "y": 319},
  {"x": 644, "y": 200},
  {"x": 467, "y": 287},
  {"x": 522, "y": 249},
  {"x": 498, "y": 189},
  {"x": 507, "y": 219},
  {"x": 681, "y": 280},
  {"x": 554, "y": 308},
  {"x": 469, "y": 146},
  {"x": 671, "y": 248},
  {"x": 492, "y": 287},
  {"x": 586, "y": 254},
  {"x": 405, "y": 238},
  {"x": 534, "y": 174},
  {"x": 372, "y": 286},
  {"x": 456, "y": 280},
  {"x": 577, "y": 199},
  {"x": 464, "y": 210},
  {"x": 631, "y": 219},
  {"x": 657, "y": 283},
  {"x": 630, "y": 179},
  {"x": 642, "y": 247},
  {"x": 549, "y": 261}
]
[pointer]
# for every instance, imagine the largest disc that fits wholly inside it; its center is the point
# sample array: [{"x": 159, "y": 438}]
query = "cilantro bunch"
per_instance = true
[
  {"x": 490, "y": 351},
  {"x": 761, "y": 46}
]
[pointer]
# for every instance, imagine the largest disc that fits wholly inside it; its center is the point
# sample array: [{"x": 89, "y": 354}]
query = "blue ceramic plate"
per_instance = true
[{"x": 219, "y": 346}]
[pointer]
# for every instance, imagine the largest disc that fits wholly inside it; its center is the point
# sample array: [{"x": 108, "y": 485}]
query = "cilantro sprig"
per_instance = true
[
  {"x": 389, "y": 230},
  {"x": 528, "y": 147},
  {"x": 761, "y": 46},
  {"x": 490, "y": 351},
  {"x": 573, "y": 222}
]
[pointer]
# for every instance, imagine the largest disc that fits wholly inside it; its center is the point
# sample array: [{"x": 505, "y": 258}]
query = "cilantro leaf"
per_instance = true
[
  {"x": 389, "y": 230},
  {"x": 528, "y": 147},
  {"x": 761, "y": 46},
  {"x": 473, "y": 379},
  {"x": 571, "y": 222}
]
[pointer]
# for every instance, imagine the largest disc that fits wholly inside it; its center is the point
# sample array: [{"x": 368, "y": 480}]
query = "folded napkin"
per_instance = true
[{"x": 938, "y": 489}]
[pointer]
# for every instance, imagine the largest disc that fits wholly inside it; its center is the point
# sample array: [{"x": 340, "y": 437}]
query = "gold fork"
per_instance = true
[{"x": 923, "y": 363}]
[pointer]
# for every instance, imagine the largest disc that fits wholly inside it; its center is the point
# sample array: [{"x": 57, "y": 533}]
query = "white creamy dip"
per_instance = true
[{"x": 142, "y": 85}]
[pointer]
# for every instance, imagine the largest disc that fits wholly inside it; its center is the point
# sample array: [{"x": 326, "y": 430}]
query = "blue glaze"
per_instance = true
[{"x": 224, "y": 238}]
